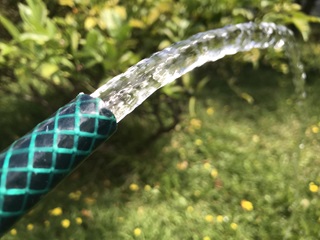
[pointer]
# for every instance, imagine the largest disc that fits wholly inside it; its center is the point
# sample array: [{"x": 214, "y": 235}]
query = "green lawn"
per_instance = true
[{"x": 233, "y": 171}]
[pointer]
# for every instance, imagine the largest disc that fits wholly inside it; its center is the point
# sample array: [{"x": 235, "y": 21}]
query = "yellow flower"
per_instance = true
[
  {"x": 214, "y": 173},
  {"x": 134, "y": 187},
  {"x": 137, "y": 232},
  {"x": 79, "y": 220},
  {"x": 315, "y": 129},
  {"x": 13, "y": 232},
  {"x": 234, "y": 226},
  {"x": 65, "y": 223},
  {"x": 198, "y": 142},
  {"x": 209, "y": 218},
  {"x": 220, "y": 218},
  {"x": 30, "y": 227},
  {"x": 313, "y": 187},
  {"x": 210, "y": 111},
  {"x": 247, "y": 205},
  {"x": 56, "y": 211},
  {"x": 206, "y": 238}
]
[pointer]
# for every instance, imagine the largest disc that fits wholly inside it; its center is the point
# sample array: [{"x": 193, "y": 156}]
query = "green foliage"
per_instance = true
[
  {"x": 289, "y": 13},
  {"x": 59, "y": 49}
]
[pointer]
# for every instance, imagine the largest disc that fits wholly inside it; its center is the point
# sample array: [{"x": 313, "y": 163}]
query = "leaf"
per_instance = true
[
  {"x": 275, "y": 17},
  {"x": 70, "y": 20},
  {"x": 6, "y": 49},
  {"x": 291, "y": 7},
  {"x": 202, "y": 83},
  {"x": 9, "y": 26},
  {"x": 314, "y": 19},
  {"x": 39, "y": 12},
  {"x": 136, "y": 23},
  {"x": 247, "y": 97},
  {"x": 51, "y": 29},
  {"x": 92, "y": 39},
  {"x": 47, "y": 69},
  {"x": 34, "y": 17},
  {"x": 172, "y": 91},
  {"x": 303, "y": 27},
  {"x": 74, "y": 37},
  {"x": 266, "y": 3},
  {"x": 38, "y": 38},
  {"x": 65, "y": 62},
  {"x": 153, "y": 16},
  {"x": 187, "y": 80},
  {"x": 192, "y": 106},
  {"x": 164, "y": 7},
  {"x": 163, "y": 44},
  {"x": 129, "y": 57},
  {"x": 113, "y": 20},
  {"x": 301, "y": 21},
  {"x": 246, "y": 13}
]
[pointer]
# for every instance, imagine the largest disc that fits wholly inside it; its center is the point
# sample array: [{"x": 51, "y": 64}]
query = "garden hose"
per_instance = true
[{"x": 38, "y": 161}]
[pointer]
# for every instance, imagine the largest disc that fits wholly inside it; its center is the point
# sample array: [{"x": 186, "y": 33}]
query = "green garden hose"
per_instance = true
[{"x": 38, "y": 161}]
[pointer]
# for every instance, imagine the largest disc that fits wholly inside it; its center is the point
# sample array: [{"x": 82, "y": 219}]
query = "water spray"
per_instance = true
[{"x": 34, "y": 164}]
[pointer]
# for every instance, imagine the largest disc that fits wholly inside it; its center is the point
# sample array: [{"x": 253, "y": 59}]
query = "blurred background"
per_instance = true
[{"x": 226, "y": 152}]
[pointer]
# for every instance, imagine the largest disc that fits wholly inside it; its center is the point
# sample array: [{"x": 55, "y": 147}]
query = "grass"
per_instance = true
[{"x": 233, "y": 171}]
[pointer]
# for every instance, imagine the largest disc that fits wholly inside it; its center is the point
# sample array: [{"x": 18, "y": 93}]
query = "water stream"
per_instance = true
[{"x": 123, "y": 93}]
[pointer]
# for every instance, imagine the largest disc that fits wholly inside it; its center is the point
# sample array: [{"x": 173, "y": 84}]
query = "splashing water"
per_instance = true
[{"x": 128, "y": 90}]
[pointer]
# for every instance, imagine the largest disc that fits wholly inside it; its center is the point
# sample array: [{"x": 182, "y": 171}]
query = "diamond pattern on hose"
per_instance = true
[{"x": 35, "y": 163}]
